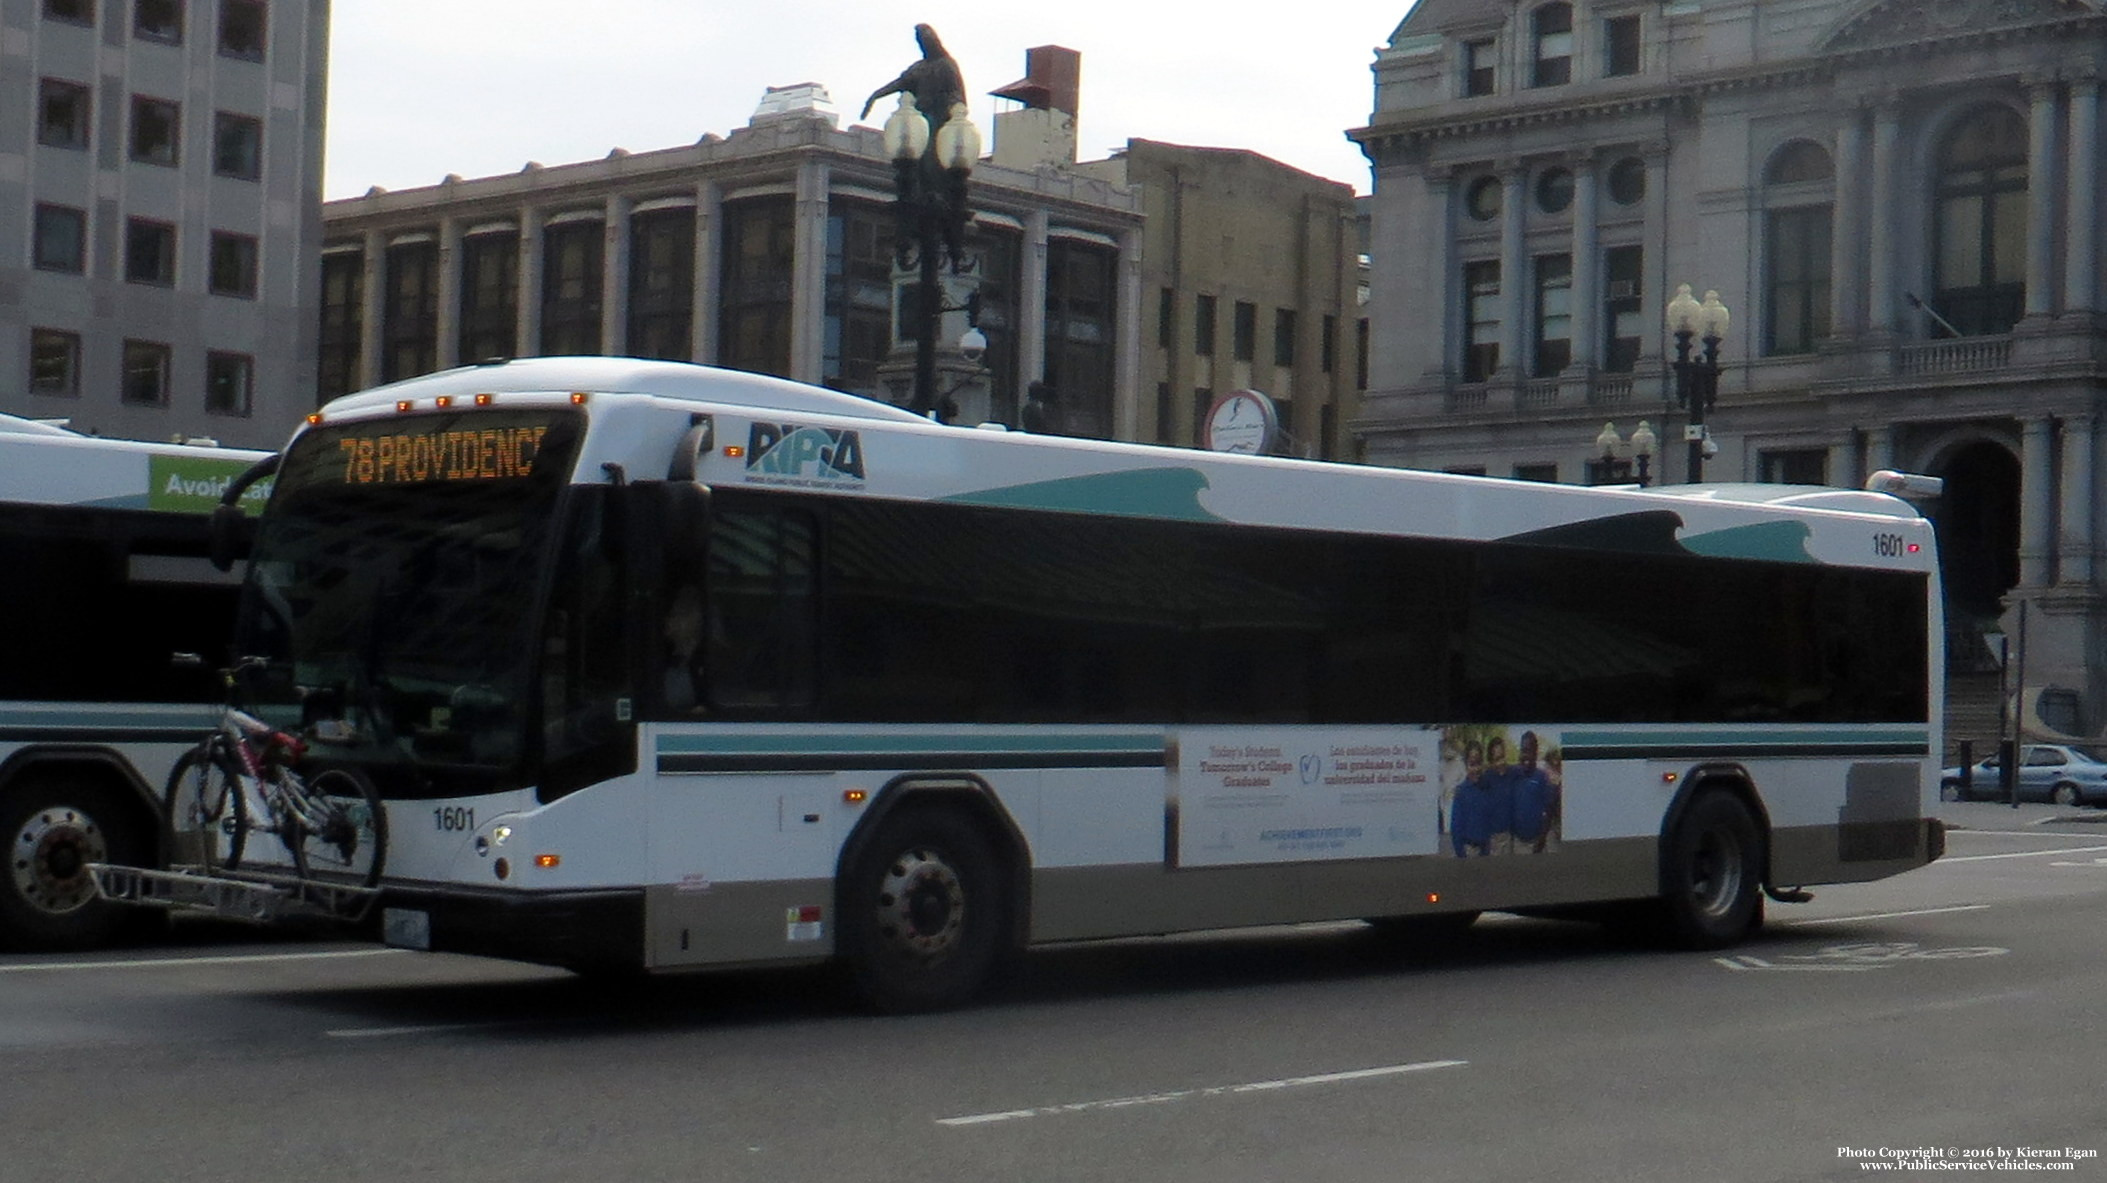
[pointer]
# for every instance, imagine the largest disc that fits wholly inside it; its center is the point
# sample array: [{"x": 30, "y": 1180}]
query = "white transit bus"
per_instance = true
[
  {"x": 658, "y": 666},
  {"x": 103, "y": 574}
]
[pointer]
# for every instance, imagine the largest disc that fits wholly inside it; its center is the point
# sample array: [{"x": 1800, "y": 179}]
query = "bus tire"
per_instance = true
[
  {"x": 923, "y": 921},
  {"x": 1712, "y": 874},
  {"x": 54, "y": 825}
]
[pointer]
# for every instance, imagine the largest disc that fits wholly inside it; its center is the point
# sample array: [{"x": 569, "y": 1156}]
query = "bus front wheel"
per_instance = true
[
  {"x": 54, "y": 827},
  {"x": 1712, "y": 874},
  {"x": 922, "y": 920}
]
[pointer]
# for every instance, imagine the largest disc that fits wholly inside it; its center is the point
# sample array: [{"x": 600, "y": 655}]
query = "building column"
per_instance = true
[
  {"x": 1881, "y": 315},
  {"x": 1126, "y": 347},
  {"x": 1847, "y": 285},
  {"x": 373, "y": 309},
  {"x": 2037, "y": 507},
  {"x": 1388, "y": 289},
  {"x": 1655, "y": 285},
  {"x": 2041, "y": 199},
  {"x": 1880, "y": 449},
  {"x": 709, "y": 287},
  {"x": 1586, "y": 297},
  {"x": 2074, "y": 515},
  {"x": 447, "y": 352},
  {"x": 1843, "y": 465},
  {"x": 1514, "y": 274},
  {"x": 808, "y": 291},
  {"x": 2081, "y": 278},
  {"x": 1031, "y": 306},
  {"x": 530, "y": 258},
  {"x": 614, "y": 278}
]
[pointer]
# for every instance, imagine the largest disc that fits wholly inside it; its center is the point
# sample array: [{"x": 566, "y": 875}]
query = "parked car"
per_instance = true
[{"x": 2059, "y": 773}]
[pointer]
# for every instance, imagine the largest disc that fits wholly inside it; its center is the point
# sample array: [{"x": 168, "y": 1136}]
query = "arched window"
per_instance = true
[
  {"x": 1551, "y": 34},
  {"x": 1979, "y": 223},
  {"x": 1799, "y": 161},
  {"x": 1799, "y": 209}
]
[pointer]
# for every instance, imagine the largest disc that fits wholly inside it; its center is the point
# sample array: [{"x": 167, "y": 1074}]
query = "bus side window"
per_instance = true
[{"x": 761, "y": 609}]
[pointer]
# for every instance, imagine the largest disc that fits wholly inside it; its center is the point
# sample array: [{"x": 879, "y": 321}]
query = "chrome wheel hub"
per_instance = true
[
  {"x": 49, "y": 858},
  {"x": 921, "y": 906}
]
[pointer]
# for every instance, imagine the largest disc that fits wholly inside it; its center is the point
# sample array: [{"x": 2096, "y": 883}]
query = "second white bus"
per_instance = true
[{"x": 104, "y": 573}]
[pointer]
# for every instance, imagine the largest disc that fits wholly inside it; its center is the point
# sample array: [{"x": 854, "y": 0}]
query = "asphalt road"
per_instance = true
[{"x": 1954, "y": 1009}]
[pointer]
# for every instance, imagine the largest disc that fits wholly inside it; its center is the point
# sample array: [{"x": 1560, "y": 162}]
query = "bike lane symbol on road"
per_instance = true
[{"x": 1858, "y": 958}]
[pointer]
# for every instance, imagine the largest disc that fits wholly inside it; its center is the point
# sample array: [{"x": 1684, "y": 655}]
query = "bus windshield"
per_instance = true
[{"x": 392, "y": 584}]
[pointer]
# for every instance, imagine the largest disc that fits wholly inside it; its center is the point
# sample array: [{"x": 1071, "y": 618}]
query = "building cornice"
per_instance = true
[
  {"x": 749, "y": 157},
  {"x": 1402, "y": 134}
]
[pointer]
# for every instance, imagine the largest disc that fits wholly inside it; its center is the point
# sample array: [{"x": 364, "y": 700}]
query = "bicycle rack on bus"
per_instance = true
[{"x": 256, "y": 897}]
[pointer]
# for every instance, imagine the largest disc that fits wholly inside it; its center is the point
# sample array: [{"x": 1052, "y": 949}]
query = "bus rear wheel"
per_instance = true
[
  {"x": 923, "y": 924},
  {"x": 54, "y": 828},
  {"x": 1712, "y": 874}
]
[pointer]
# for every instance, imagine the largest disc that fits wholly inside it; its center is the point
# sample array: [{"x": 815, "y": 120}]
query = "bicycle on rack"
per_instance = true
[{"x": 241, "y": 779}]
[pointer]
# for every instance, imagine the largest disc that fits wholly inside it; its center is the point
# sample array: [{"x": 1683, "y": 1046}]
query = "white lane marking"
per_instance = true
[
  {"x": 1977, "y": 858},
  {"x": 224, "y": 959},
  {"x": 1881, "y": 916},
  {"x": 1220, "y": 1090},
  {"x": 1745, "y": 961},
  {"x": 2023, "y": 833}
]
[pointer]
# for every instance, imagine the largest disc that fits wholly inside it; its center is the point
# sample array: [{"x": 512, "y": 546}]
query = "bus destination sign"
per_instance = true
[{"x": 440, "y": 454}]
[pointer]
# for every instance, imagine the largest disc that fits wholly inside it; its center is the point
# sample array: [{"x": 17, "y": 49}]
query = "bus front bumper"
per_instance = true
[{"x": 596, "y": 930}]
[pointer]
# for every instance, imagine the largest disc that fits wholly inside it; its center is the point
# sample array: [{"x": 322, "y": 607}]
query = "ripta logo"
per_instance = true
[{"x": 813, "y": 453}]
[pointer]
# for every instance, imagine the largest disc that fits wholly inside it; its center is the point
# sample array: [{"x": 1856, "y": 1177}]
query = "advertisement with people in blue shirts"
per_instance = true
[{"x": 1501, "y": 790}]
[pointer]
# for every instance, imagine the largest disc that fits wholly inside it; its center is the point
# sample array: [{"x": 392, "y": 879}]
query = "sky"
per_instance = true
[{"x": 422, "y": 88}]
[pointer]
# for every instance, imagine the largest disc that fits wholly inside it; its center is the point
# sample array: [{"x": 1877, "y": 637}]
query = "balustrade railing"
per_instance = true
[{"x": 1965, "y": 355}]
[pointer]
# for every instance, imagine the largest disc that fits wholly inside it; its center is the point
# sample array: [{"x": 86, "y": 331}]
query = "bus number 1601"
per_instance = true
[
  {"x": 1889, "y": 546},
  {"x": 454, "y": 819}
]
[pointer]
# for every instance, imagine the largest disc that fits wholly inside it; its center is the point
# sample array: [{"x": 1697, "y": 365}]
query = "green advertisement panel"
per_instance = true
[{"x": 194, "y": 484}]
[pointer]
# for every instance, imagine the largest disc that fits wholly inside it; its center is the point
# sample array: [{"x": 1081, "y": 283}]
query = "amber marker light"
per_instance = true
[
  {"x": 403, "y": 404},
  {"x": 314, "y": 419},
  {"x": 1669, "y": 778},
  {"x": 577, "y": 398},
  {"x": 854, "y": 796},
  {"x": 545, "y": 861},
  {"x": 1433, "y": 897},
  {"x": 734, "y": 451},
  {"x": 484, "y": 400},
  {"x": 443, "y": 401}
]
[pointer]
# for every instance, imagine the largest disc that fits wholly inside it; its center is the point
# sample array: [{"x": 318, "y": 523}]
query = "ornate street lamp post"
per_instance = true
[
  {"x": 1697, "y": 382},
  {"x": 1643, "y": 443},
  {"x": 930, "y": 176}
]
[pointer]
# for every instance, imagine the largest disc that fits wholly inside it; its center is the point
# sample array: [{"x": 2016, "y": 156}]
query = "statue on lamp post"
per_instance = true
[
  {"x": 933, "y": 146},
  {"x": 934, "y": 81}
]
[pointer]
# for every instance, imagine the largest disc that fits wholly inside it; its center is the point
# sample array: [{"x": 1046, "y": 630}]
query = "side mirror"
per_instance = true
[
  {"x": 229, "y": 535},
  {"x": 230, "y": 527}
]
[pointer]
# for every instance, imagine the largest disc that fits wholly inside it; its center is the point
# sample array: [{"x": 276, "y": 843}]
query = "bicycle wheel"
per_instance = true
[
  {"x": 349, "y": 841},
  {"x": 207, "y": 813}
]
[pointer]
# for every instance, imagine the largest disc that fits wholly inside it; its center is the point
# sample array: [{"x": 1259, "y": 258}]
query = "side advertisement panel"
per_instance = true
[{"x": 1284, "y": 795}]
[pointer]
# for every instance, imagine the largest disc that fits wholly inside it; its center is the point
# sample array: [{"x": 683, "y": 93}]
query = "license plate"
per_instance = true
[{"x": 406, "y": 928}]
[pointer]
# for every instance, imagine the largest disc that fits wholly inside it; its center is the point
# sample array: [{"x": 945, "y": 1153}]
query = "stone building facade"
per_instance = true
[
  {"x": 1898, "y": 200},
  {"x": 1251, "y": 279},
  {"x": 161, "y": 176},
  {"x": 769, "y": 249}
]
